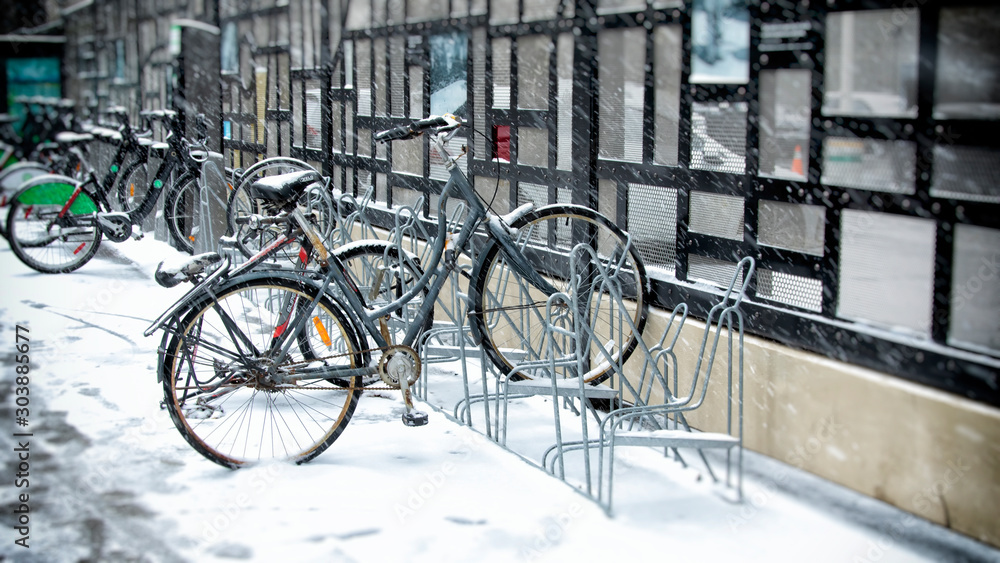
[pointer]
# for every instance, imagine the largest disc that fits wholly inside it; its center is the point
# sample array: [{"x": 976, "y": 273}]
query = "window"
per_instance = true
[
  {"x": 969, "y": 89},
  {"x": 785, "y": 112},
  {"x": 720, "y": 42}
]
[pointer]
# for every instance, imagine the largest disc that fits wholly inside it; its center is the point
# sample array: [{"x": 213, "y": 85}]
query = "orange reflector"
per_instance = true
[
  {"x": 191, "y": 237},
  {"x": 230, "y": 186},
  {"x": 322, "y": 332},
  {"x": 131, "y": 190},
  {"x": 79, "y": 248}
]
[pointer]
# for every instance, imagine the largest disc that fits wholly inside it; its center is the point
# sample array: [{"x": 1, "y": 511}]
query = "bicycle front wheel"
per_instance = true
[
  {"x": 50, "y": 225},
  {"x": 216, "y": 381},
  {"x": 510, "y": 313}
]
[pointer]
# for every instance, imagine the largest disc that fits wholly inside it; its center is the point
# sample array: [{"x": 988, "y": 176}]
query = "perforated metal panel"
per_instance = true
[
  {"x": 886, "y": 269},
  {"x": 975, "y": 289},
  {"x": 718, "y": 136},
  {"x": 397, "y": 74},
  {"x": 969, "y": 173},
  {"x": 314, "y": 116},
  {"x": 797, "y": 291},
  {"x": 870, "y": 164},
  {"x": 791, "y": 226},
  {"x": 710, "y": 270},
  {"x": 437, "y": 169},
  {"x": 501, "y": 72},
  {"x": 364, "y": 74},
  {"x": 479, "y": 91},
  {"x": 652, "y": 222},
  {"x": 716, "y": 214},
  {"x": 622, "y": 68},
  {"x": 564, "y": 100}
]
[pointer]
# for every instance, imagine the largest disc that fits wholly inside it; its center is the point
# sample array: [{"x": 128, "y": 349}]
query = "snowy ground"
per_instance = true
[{"x": 110, "y": 479}]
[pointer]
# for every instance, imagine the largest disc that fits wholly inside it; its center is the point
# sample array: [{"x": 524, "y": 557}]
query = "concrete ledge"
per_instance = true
[{"x": 927, "y": 452}]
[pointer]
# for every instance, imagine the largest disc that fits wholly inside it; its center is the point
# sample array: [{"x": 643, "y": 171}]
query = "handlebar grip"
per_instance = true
[
  {"x": 436, "y": 121},
  {"x": 400, "y": 132}
]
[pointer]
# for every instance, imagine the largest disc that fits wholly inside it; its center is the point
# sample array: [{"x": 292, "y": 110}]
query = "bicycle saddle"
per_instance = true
[
  {"x": 71, "y": 138},
  {"x": 284, "y": 186}
]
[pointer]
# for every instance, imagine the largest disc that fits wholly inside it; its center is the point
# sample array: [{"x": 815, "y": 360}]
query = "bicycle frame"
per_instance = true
[{"x": 436, "y": 274}]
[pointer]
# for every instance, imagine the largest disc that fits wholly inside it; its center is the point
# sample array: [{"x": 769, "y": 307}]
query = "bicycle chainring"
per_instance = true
[{"x": 398, "y": 361}]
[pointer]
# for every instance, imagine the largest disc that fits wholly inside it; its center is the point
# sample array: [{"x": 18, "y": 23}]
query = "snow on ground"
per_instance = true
[{"x": 112, "y": 480}]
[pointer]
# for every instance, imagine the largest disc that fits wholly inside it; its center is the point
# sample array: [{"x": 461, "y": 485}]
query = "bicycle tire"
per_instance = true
[
  {"x": 178, "y": 210},
  {"x": 43, "y": 240},
  {"x": 242, "y": 204},
  {"x": 130, "y": 190},
  {"x": 510, "y": 314},
  {"x": 295, "y": 423},
  {"x": 12, "y": 179}
]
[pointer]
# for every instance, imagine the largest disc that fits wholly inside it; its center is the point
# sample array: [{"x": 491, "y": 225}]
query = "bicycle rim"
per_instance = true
[
  {"x": 46, "y": 241},
  {"x": 219, "y": 400}
]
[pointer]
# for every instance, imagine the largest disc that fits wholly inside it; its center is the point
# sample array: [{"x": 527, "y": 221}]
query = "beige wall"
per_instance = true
[{"x": 928, "y": 452}]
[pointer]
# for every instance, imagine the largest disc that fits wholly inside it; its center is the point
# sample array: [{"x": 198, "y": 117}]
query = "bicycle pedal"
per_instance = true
[{"x": 415, "y": 418}]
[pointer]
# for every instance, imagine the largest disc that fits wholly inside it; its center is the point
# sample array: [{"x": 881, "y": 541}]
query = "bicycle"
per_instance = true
[
  {"x": 55, "y": 223},
  {"x": 261, "y": 364},
  {"x": 128, "y": 162}
]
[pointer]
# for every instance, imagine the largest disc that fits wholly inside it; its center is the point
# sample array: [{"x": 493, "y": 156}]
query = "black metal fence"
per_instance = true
[{"x": 846, "y": 145}]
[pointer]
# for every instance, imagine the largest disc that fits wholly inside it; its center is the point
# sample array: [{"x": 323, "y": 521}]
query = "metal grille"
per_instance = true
[
  {"x": 870, "y": 164},
  {"x": 975, "y": 290},
  {"x": 970, "y": 173},
  {"x": 397, "y": 73},
  {"x": 622, "y": 72},
  {"x": 797, "y": 291},
  {"x": 886, "y": 269},
  {"x": 710, "y": 270},
  {"x": 622, "y": 61},
  {"x": 501, "y": 72},
  {"x": 719, "y": 136},
  {"x": 437, "y": 169},
  {"x": 539, "y": 195},
  {"x": 564, "y": 101},
  {"x": 791, "y": 226},
  {"x": 717, "y": 215},
  {"x": 314, "y": 117},
  {"x": 380, "y": 85},
  {"x": 652, "y": 222},
  {"x": 364, "y": 62},
  {"x": 479, "y": 91}
]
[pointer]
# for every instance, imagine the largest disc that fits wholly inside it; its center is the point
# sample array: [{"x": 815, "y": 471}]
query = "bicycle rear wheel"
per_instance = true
[
  {"x": 178, "y": 209},
  {"x": 510, "y": 313},
  {"x": 314, "y": 202},
  {"x": 47, "y": 232},
  {"x": 215, "y": 383}
]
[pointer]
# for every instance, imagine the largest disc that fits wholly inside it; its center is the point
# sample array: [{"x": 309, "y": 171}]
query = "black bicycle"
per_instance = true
[{"x": 55, "y": 223}]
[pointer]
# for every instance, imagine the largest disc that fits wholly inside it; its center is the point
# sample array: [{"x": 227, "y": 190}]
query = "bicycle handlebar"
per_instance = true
[{"x": 417, "y": 128}]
